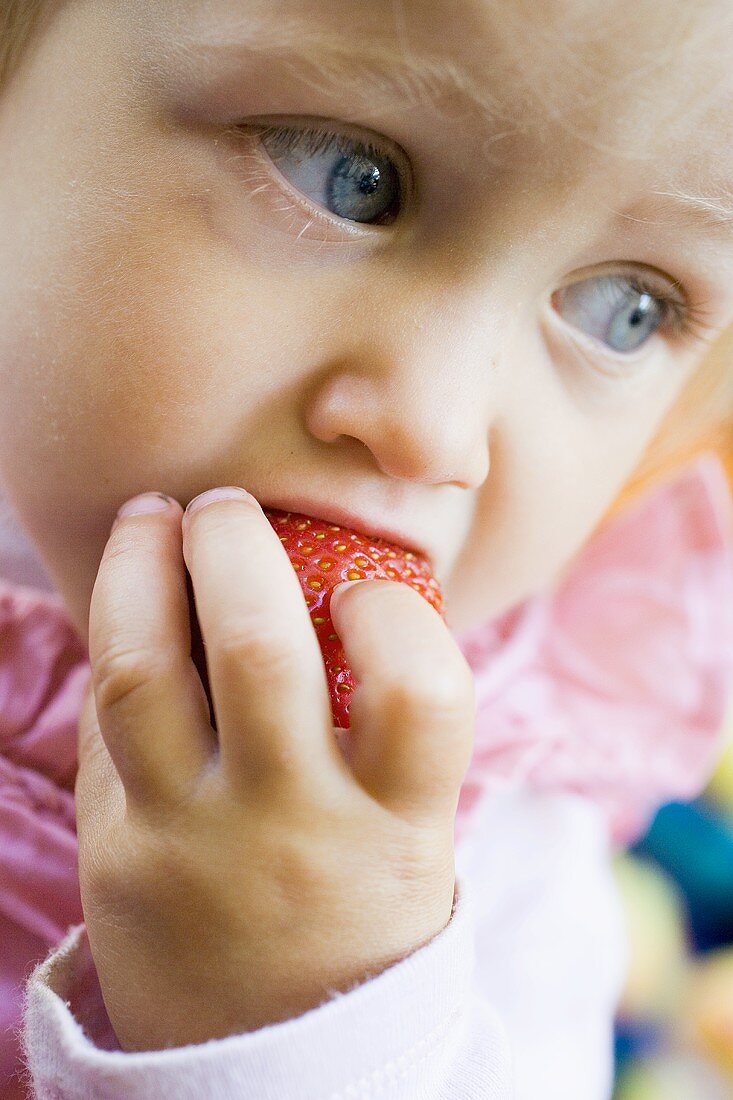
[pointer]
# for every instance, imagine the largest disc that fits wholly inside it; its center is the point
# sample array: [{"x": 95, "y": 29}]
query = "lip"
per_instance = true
[{"x": 351, "y": 518}]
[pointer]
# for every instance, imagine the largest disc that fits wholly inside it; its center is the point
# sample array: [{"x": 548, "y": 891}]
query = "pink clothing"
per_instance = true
[{"x": 596, "y": 703}]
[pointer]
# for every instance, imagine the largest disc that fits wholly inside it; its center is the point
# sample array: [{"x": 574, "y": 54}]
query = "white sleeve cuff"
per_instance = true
[{"x": 418, "y": 1029}]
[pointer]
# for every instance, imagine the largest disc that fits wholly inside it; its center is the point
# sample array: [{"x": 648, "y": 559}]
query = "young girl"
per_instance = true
[{"x": 454, "y": 271}]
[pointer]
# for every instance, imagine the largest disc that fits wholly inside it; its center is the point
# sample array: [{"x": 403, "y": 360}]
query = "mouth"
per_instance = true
[{"x": 353, "y": 520}]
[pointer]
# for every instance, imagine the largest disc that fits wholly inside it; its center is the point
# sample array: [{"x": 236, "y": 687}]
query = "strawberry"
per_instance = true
[{"x": 323, "y": 556}]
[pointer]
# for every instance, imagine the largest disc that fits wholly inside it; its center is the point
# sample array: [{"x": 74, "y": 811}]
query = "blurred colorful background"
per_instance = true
[{"x": 674, "y": 1030}]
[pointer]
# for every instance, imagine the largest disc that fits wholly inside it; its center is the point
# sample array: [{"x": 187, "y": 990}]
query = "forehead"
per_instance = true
[{"x": 637, "y": 84}]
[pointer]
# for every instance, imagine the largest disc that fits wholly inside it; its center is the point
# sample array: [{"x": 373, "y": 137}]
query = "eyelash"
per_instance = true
[
  {"x": 687, "y": 321},
  {"x": 259, "y": 174},
  {"x": 316, "y": 141}
]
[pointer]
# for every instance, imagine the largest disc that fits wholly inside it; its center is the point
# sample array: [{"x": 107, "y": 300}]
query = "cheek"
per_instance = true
[
  {"x": 555, "y": 471},
  {"x": 139, "y": 368},
  {"x": 148, "y": 362}
]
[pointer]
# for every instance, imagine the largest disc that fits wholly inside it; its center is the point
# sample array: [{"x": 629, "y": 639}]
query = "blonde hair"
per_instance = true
[
  {"x": 700, "y": 420},
  {"x": 702, "y": 417}
]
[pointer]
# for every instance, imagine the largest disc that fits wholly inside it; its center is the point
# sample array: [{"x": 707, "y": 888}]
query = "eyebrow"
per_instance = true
[
  {"x": 712, "y": 211},
  {"x": 383, "y": 73},
  {"x": 388, "y": 72}
]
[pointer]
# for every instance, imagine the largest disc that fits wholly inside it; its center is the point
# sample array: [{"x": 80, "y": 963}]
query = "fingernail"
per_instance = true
[
  {"x": 335, "y": 595},
  {"x": 211, "y": 496},
  {"x": 143, "y": 505}
]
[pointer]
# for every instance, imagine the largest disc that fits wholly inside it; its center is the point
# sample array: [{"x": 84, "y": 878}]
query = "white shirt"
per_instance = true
[{"x": 515, "y": 998}]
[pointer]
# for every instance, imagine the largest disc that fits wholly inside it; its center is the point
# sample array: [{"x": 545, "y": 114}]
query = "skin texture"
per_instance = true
[
  {"x": 173, "y": 318},
  {"x": 161, "y": 327}
]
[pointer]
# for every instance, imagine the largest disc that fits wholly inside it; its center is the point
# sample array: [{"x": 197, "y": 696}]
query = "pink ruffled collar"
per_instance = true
[
  {"x": 617, "y": 684},
  {"x": 614, "y": 686}
]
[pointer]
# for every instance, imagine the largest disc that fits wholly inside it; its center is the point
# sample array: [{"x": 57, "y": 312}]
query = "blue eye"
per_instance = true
[
  {"x": 615, "y": 309},
  {"x": 353, "y": 180}
]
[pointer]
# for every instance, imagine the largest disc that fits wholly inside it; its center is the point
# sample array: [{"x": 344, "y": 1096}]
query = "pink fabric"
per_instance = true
[{"x": 614, "y": 686}]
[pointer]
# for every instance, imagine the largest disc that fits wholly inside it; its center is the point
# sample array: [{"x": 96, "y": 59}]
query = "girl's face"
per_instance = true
[{"x": 442, "y": 265}]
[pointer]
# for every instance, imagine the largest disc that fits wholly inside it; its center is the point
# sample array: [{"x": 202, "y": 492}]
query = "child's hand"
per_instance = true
[{"x": 228, "y": 886}]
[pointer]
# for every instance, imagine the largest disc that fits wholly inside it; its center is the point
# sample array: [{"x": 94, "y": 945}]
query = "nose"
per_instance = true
[{"x": 415, "y": 387}]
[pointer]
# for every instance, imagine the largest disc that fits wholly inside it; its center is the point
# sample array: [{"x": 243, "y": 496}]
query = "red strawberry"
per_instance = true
[{"x": 323, "y": 556}]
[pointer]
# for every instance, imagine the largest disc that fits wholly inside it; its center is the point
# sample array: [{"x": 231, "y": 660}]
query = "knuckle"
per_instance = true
[
  {"x": 135, "y": 865},
  {"x": 445, "y": 695},
  {"x": 265, "y": 651},
  {"x": 123, "y": 672},
  {"x": 300, "y": 868}
]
